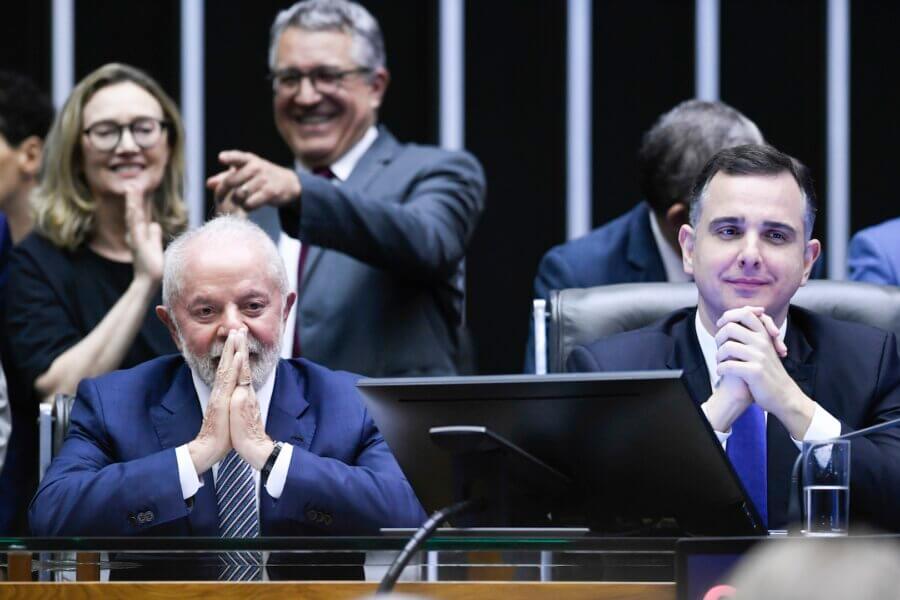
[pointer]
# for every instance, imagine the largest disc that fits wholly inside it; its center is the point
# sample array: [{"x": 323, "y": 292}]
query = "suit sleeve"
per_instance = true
[
  {"x": 351, "y": 499},
  {"x": 85, "y": 492},
  {"x": 420, "y": 232},
  {"x": 868, "y": 262},
  {"x": 581, "y": 360},
  {"x": 554, "y": 273},
  {"x": 875, "y": 459}
]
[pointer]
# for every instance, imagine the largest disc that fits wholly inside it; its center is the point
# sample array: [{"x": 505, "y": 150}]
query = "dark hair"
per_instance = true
[
  {"x": 681, "y": 142},
  {"x": 755, "y": 159},
  {"x": 24, "y": 110}
]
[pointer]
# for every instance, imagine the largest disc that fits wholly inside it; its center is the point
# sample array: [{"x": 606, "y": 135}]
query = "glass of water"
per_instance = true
[{"x": 826, "y": 487}]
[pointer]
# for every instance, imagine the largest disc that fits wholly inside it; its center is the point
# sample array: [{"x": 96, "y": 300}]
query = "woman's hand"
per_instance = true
[{"x": 144, "y": 236}]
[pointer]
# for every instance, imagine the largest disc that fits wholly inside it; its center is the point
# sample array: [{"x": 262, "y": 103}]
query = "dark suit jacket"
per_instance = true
[
  {"x": 851, "y": 370},
  {"x": 383, "y": 286},
  {"x": 621, "y": 251},
  {"x": 118, "y": 460},
  {"x": 874, "y": 254}
]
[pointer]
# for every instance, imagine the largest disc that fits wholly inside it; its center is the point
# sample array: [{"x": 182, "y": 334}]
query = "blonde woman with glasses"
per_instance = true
[{"x": 83, "y": 286}]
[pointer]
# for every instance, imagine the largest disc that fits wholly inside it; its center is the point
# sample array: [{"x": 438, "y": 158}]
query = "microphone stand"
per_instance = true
[{"x": 419, "y": 537}]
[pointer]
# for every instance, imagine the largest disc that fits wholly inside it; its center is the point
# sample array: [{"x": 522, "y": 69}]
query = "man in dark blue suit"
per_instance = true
[
  {"x": 642, "y": 244},
  {"x": 162, "y": 449},
  {"x": 767, "y": 375}
]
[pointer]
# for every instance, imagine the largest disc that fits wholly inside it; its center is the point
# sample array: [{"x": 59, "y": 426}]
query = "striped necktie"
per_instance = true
[{"x": 236, "y": 496}]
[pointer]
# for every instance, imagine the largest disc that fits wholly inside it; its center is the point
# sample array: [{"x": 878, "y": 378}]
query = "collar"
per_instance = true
[
  {"x": 672, "y": 262},
  {"x": 343, "y": 166},
  {"x": 709, "y": 348},
  {"x": 263, "y": 394}
]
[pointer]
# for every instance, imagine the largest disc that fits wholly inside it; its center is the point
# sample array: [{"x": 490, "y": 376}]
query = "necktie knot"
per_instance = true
[{"x": 325, "y": 172}]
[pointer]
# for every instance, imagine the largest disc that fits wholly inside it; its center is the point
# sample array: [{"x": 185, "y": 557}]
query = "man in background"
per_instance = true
[
  {"x": 25, "y": 118},
  {"x": 642, "y": 244},
  {"x": 383, "y": 226}
]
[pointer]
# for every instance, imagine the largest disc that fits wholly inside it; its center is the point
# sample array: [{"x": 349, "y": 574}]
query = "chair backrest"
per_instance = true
[
  {"x": 53, "y": 423},
  {"x": 580, "y": 316}
]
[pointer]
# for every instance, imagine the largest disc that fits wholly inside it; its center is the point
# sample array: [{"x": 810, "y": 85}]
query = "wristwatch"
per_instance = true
[{"x": 270, "y": 462}]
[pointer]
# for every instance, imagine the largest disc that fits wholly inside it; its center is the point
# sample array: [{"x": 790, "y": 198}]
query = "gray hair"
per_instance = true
[
  {"x": 681, "y": 142},
  {"x": 333, "y": 15},
  {"x": 221, "y": 230}
]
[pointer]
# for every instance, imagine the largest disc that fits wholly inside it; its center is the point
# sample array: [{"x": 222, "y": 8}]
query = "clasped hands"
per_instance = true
[
  {"x": 232, "y": 417},
  {"x": 749, "y": 364}
]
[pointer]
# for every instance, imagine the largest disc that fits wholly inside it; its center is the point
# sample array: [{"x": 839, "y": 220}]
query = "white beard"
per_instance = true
[{"x": 260, "y": 368}]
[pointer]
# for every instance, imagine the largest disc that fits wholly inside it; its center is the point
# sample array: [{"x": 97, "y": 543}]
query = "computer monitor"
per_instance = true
[{"x": 635, "y": 447}]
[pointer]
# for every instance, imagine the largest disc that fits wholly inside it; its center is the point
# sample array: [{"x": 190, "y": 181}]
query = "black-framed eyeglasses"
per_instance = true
[
  {"x": 145, "y": 131},
  {"x": 324, "y": 80}
]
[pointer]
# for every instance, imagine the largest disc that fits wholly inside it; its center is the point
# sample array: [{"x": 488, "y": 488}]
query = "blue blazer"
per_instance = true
[
  {"x": 118, "y": 460},
  {"x": 851, "y": 370},
  {"x": 874, "y": 254},
  {"x": 621, "y": 251}
]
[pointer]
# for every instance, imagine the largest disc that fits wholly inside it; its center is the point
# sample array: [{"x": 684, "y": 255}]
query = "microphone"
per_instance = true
[{"x": 795, "y": 514}]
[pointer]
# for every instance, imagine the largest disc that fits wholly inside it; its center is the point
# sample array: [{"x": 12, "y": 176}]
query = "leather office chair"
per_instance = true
[{"x": 580, "y": 316}]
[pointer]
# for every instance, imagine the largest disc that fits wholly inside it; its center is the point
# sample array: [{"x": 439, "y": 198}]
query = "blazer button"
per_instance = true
[
  {"x": 326, "y": 519},
  {"x": 311, "y": 515}
]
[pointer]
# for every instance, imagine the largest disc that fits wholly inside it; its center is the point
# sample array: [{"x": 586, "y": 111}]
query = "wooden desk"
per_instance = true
[{"x": 335, "y": 591}]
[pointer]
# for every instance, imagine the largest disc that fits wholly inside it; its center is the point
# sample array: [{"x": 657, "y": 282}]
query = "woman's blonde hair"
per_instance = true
[{"x": 62, "y": 204}]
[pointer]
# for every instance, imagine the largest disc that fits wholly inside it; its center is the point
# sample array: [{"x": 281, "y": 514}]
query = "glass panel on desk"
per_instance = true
[{"x": 449, "y": 558}]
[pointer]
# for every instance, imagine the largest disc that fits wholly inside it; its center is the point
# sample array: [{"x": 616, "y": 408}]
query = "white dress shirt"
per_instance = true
[
  {"x": 191, "y": 481},
  {"x": 289, "y": 249},
  {"x": 823, "y": 425},
  {"x": 343, "y": 166},
  {"x": 671, "y": 259}
]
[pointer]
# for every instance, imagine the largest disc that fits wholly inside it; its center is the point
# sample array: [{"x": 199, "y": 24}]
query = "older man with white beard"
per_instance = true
[{"x": 225, "y": 439}]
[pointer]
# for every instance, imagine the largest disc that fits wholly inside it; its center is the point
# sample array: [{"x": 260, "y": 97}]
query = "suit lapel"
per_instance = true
[
  {"x": 370, "y": 164},
  {"x": 641, "y": 251},
  {"x": 687, "y": 356},
  {"x": 177, "y": 420},
  {"x": 290, "y": 419}
]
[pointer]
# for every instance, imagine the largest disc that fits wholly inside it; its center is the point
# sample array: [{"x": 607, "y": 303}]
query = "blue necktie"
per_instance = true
[{"x": 746, "y": 448}]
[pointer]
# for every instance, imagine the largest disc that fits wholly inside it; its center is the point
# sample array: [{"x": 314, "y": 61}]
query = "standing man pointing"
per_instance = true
[{"x": 384, "y": 226}]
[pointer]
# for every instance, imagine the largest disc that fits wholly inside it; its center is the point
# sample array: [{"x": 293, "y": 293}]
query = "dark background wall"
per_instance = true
[{"x": 772, "y": 68}]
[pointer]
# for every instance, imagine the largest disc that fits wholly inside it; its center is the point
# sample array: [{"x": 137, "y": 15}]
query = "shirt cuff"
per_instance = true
[
  {"x": 822, "y": 427},
  {"x": 187, "y": 473},
  {"x": 278, "y": 474},
  {"x": 722, "y": 437}
]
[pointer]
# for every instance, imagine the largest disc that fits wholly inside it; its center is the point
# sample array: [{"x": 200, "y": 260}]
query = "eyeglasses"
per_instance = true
[
  {"x": 145, "y": 131},
  {"x": 324, "y": 80}
]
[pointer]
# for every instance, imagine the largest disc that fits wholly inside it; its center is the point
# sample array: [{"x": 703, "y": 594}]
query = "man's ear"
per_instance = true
[
  {"x": 810, "y": 256},
  {"x": 379, "y": 81},
  {"x": 163, "y": 313},
  {"x": 288, "y": 303},
  {"x": 31, "y": 152},
  {"x": 677, "y": 215},
  {"x": 686, "y": 241}
]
